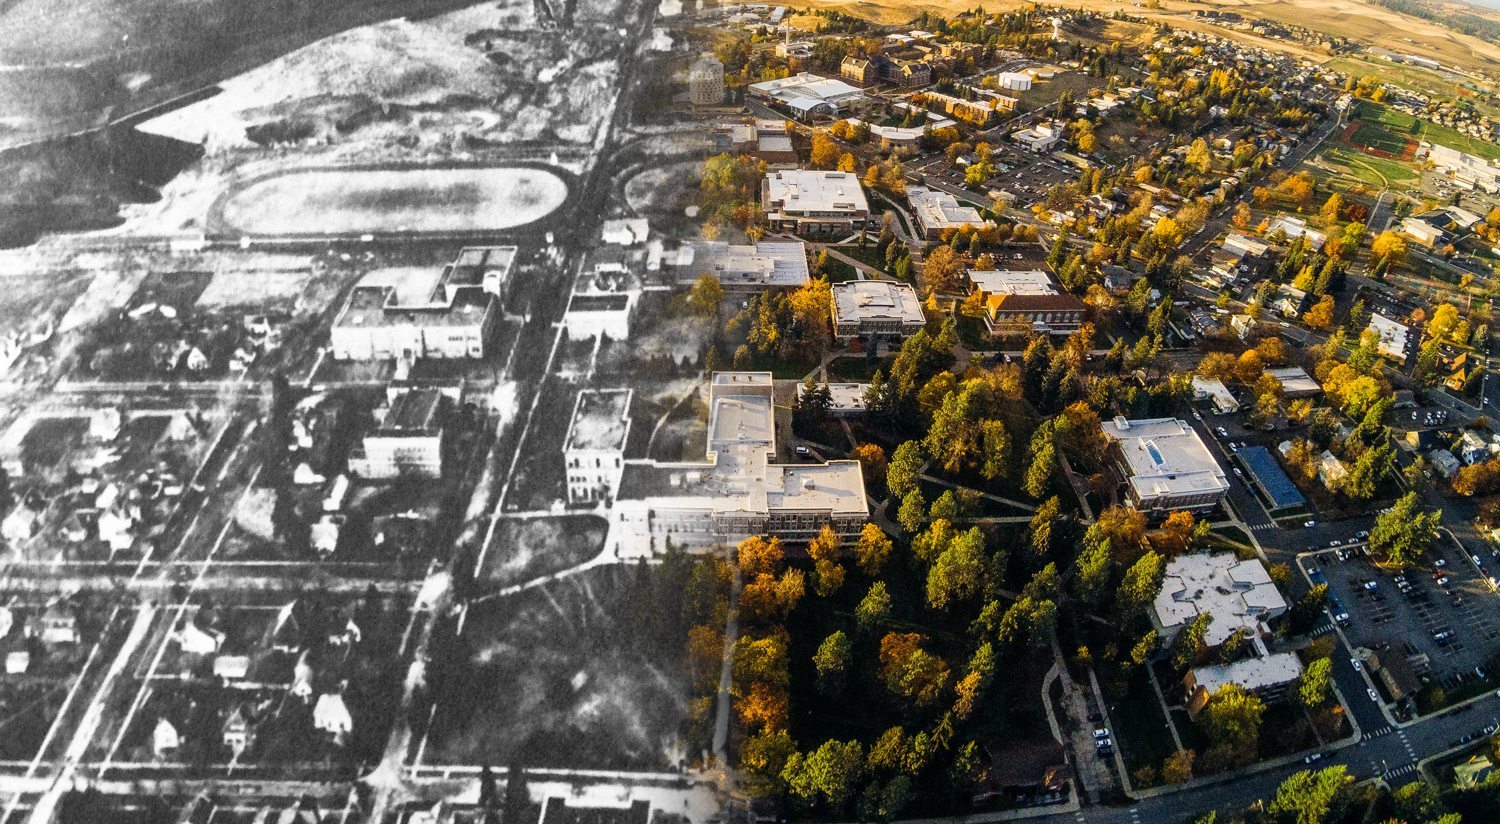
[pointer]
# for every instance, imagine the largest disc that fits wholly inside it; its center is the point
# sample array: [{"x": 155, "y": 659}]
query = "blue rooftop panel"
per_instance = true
[{"x": 1270, "y": 477}]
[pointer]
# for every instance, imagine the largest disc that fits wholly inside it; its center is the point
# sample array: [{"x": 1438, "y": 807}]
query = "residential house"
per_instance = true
[
  {"x": 332, "y": 716},
  {"x": 238, "y": 731},
  {"x": 164, "y": 740}
]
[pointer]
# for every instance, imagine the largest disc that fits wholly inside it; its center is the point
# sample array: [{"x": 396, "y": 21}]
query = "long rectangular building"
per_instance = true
[
  {"x": 455, "y": 320},
  {"x": 738, "y": 490},
  {"x": 766, "y": 264}
]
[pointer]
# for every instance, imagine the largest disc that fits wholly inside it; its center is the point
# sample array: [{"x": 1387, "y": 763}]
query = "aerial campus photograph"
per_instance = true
[{"x": 687, "y": 412}]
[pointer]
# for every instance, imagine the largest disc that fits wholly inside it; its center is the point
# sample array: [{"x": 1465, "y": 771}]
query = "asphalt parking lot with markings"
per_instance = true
[{"x": 1443, "y": 609}]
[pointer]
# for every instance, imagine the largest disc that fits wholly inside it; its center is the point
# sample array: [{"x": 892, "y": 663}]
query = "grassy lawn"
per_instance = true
[
  {"x": 1231, "y": 534},
  {"x": 1378, "y": 172},
  {"x": 857, "y": 367},
  {"x": 1141, "y": 726},
  {"x": 1046, "y": 92},
  {"x": 870, "y": 255},
  {"x": 974, "y": 335},
  {"x": 838, "y": 271},
  {"x": 1404, "y": 124}
]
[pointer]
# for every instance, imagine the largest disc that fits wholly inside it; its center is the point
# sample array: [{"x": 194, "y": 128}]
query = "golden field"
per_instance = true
[{"x": 1358, "y": 21}]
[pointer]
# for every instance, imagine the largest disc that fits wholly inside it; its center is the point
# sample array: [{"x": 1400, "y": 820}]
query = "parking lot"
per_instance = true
[{"x": 1443, "y": 614}]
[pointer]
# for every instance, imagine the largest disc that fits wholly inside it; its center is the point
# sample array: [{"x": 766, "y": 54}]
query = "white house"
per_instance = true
[
  {"x": 332, "y": 716},
  {"x": 164, "y": 739}
]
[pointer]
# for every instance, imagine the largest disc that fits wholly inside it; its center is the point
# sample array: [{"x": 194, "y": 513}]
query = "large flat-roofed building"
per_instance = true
[
  {"x": 1240, "y": 596},
  {"x": 1269, "y": 677},
  {"x": 875, "y": 307},
  {"x": 1268, "y": 477},
  {"x": 938, "y": 212},
  {"x": 1055, "y": 314},
  {"x": 1012, "y": 282},
  {"x": 455, "y": 320},
  {"x": 408, "y": 436},
  {"x": 980, "y": 111},
  {"x": 765, "y": 139},
  {"x": 1042, "y": 137},
  {"x": 604, "y": 297},
  {"x": 766, "y": 264},
  {"x": 807, "y": 96},
  {"x": 1165, "y": 465},
  {"x": 1470, "y": 170},
  {"x": 1025, "y": 301},
  {"x": 814, "y": 202},
  {"x": 739, "y": 490},
  {"x": 846, "y": 400},
  {"x": 595, "y": 449}
]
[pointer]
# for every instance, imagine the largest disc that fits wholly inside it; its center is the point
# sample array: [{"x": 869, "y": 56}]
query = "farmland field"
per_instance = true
[{"x": 355, "y": 201}]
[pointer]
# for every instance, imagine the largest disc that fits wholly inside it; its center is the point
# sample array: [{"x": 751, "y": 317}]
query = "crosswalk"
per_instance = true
[
  {"x": 1262, "y": 527},
  {"x": 1400, "y": 771},
  {"x": 1411, "y": 751},
  {"x": 1386, "y": 730}
]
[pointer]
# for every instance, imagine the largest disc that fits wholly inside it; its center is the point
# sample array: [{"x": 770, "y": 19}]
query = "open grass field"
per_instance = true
[
  {"x": 1351, "y": 167},
  {"x": 1366, "y": 23},
  {"x": 1401, "y": 125},
  {"x": 582, "y": 673},
  {"x": 354, "y": 201}
]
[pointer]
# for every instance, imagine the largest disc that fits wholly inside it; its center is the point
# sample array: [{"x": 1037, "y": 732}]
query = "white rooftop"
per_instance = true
[
  {"x": 1215, "y": 390},
  {"x": 845, "y": 397},
  {"x": 1238, "y": 594},
  {"x": 1392, "y": 335},
  {"x": 1019, "y": 282},
  {"x": 940, "y": 210},
  {"x": 1294, "y": 379},
  {"x": 740, "y": 474},
  {"x": 806, "y": 190},
  {"x": 1244, "y": 244},
  {"x": 767, "y": 263},
  {"x": 1165, "y": 457},
  {"x": 1251, "y": 673},
  {"x": 804, "y": 89},
  {"x": 856, "y": 300}
]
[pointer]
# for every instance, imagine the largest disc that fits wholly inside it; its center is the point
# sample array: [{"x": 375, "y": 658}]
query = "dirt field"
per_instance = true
[
  {"x": 529, "y": 548},
  {"x": 1366, "y": 23},
  {"x": 353, "y": 202}
]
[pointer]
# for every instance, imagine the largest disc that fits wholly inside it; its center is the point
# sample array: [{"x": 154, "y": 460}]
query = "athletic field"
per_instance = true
[{"x": 341, "y": 202}]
